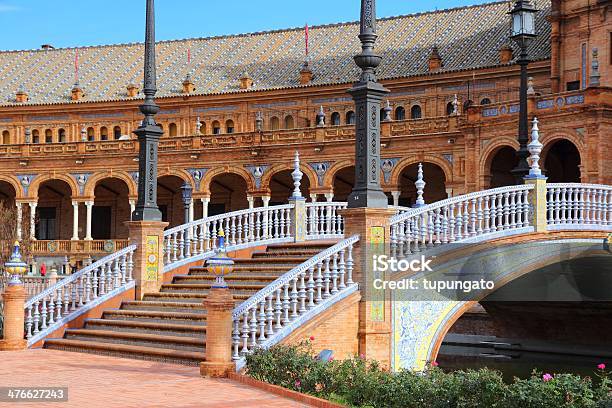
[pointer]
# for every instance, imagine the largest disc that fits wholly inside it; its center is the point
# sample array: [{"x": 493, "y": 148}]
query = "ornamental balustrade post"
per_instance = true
[
  {"x": 148, "y": 236},
  {"x": 298, "y": 212},
  {"x": 14, "y": 299},
  {"x": 538, "y": 196}
]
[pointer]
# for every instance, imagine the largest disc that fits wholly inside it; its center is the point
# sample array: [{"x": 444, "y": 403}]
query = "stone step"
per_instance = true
[
  {"x": 230, "y": 279},
  {"x": 190, "y": 358},
  {"x": 203, "y": 288},
  {"x": 277, "y": 260},
  {"x": 187, "y": 297},
  {"x": 308, "y": 244},
  {"x": 138, "y": 339},
  {"x": 163, "y": 306},
  {"x": 240, "y": 270},
  {"x": 154, "y": 316},
  {"x": 132, "y": 326}
]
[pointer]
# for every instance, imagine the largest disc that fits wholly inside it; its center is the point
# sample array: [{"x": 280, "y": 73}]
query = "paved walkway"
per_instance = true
[{"x": 98, "y": 381}]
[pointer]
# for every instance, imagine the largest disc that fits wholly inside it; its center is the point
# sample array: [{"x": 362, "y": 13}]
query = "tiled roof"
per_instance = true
[{"x": 467, "y": 37}]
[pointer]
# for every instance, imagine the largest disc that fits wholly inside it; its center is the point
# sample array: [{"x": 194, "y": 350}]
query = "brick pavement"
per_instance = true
[{"x": 99, "y": 381}]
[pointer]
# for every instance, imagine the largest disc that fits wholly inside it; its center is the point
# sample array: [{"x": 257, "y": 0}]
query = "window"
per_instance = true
[
  {"x": 216, "y": 127},
  {"x": 62, "y": 135},
  {"x": 350, "y": 118},
  {"x": 45, "y": 227},
  {"x": 117, "y": 132},
  {"x": 90, "y": 134},
  {"x": 35, "y": 136},
  {"x": 274, "y": 123},
  {"x": 485, "y": 101},
  {"x": 573, "y": 85},
  {"x": 415, "y": 112},
  {"x": 335, "y": 119},
  {"x": 289, "y": 122},
  {"x": 103, "y": 133},
  {"x": 229, "y": 126},
  {"x": 400, "y": 113},
  {"x": 48, "y": 136},
  {"x": 172, "y": 129},
  {"x": 449, "y": 108},
  {"x": 6, "y": 137}
]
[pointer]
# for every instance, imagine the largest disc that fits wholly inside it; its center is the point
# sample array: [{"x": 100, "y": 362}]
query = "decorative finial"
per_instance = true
[
  {"x": 259, "y": 121},
  {"x": 455, "y": 105},
  {"x": 367, "y": 60},
  {"x": 83, "y": 134},
  {"x": 15, "y": 266},
  {"x": 220, "y": 264},
  {"x": 530, "y": 90},
  {"x": 198, "y": 130},
  {"x": 594, "y": 78},
  {"x": 321, "y": 117},
  {"x": 28, "y": 135},
  {"x": 387, "y": 111},
  {"x": 420, "y": 185},
  {"x": 535, "y": 148},
  {"x": 297, "y": 176}
]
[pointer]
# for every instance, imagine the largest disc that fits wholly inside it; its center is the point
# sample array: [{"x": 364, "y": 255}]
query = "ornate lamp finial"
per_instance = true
[
  {"x": 387, "y": 110},
  {"x": 455, "y": 105},
  {"x": 15, "y": 266},
  {"x": 321, "y": 117},
  {"x": 259, "y": 121},
  {"x": 535, "y": 148},
  {"x": 198, "y": 130},
  {"x": 420, "y": 185},
  {"x": 530, "y": 90},
  {"x": 297, "y": 176}
]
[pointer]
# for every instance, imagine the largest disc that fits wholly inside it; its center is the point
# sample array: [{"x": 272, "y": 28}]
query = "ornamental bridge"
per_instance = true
[{"x": 302, "y": 269}]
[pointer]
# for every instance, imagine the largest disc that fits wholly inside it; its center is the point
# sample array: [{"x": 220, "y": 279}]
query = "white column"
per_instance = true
[
  {"x": 33, "y": 205},
  {"x": 266, "y": 200},
  {"x": 89, "y": 206},
  {"x": 313, "y": 198},
  {"x": 19, "y": 219},
  {"x": 191, "y": 213},
  {"x": 251, "y": 201},
  {"x": 132, "y": 207},
  {"x": 205, "y": 201},
  {"x": 75, "y": 221},
  {"x": 396, "y": 196},
  {"x": 449, "y": 192},
  {"x": 329, "y": 197}
]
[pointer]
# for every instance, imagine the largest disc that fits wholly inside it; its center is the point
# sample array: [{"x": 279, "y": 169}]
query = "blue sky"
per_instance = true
[{"x": 26, "y": 24}]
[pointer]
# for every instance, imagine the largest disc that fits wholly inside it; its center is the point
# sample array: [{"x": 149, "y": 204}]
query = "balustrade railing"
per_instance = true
[
  {"x": 245, "y": 228},
  {"x": 579, "y": 206},
  {"x": 503, "y": 210},
  {"x": 34, "y": 285},
  {"x": 323, "y": 220},
  {"x": 77, "y": 293},
  {"x": 266, "y": 317}
]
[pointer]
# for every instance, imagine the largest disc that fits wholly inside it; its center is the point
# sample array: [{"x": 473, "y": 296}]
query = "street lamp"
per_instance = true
[
  {"x": 523, "y": 32},
  {"x": 186, "y": 191}
]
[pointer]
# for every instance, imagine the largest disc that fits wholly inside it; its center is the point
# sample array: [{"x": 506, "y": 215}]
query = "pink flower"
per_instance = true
[
  {"x": 331, "y": 358},
  {"x": 298, "y": 383},
  {"x": 311, "y": 338},
  {"x": 434, "y": 364},
  {"x": 547, "y": 377},
  {"x": 362, "y": 356},
  {"x": 601, "y": 366}
]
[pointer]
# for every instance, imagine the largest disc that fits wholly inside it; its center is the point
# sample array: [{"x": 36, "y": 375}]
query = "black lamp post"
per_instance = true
[
  {"x": 523, "y": 32},
  {"x": 149, "y": 132},
  {"x": 186, "y": 191},
  {"x": 367, "y": 93}
]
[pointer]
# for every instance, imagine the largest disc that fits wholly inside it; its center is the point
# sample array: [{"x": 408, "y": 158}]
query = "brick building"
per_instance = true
[{"x": 235, "y": 110}]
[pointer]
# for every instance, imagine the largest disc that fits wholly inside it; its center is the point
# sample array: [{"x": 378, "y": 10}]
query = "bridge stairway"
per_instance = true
[{"x": 170, "y": 326}]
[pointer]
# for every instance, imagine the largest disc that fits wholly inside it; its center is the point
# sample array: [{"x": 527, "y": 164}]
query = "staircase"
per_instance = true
[{"x": 170, "y": 326}]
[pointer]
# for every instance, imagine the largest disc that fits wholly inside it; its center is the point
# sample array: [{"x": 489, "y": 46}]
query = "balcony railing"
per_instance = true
[{"x": 68, "y": 247}]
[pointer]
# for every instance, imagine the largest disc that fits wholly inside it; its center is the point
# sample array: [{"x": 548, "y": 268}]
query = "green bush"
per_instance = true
[{"x": 363, "y": 383}]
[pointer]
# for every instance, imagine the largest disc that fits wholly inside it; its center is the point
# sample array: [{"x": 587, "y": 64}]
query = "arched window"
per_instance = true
[
  {"x": 103, "y": 133},
  {"x": 335, "y": 119},
  {"x": 229, "y": 126},
  {"x": 172, "y": 129},
  {"x": 350, "y": 118},
  {"x": 62, "y": 135},
  {"x": 216, "y": 127},
  {"x": 400, "y": 113},
  {"x": 35, "y": 136},
  {"x": 415, "y": 112},
  {"x": 289, "y": 122},
  {"x": 48, "y": 136},
  {"x": 449, "y": 108},
  {"x": 117, "y": 132},
  {"x": 485, "y": 101},
  {"x": 6, "y": 137},
  {"x": 90, "y": 134},
  {"x": 203, "y": 128},
  {"x": 274, "y": 123}
]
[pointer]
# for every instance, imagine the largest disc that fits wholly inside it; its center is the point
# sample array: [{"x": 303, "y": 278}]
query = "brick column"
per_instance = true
[
  {"x": 14, "y": 299},
  {"x": 373, "y": 227},
  {"x": 219, "y": 305},
  {"x": 148, "y": 258}
]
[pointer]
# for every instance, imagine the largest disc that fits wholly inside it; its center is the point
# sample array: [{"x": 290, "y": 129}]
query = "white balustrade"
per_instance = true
[
  {"x": 34, "y": 285},
  {"x": 265, "y": 318},
  {"x": 579, "y": 206},
  {"x": 500, "y": 211},
  {"x": 324, "y": 221},
  {"x": 245, "y": 228},
  {"x": 77, "y": 293}
]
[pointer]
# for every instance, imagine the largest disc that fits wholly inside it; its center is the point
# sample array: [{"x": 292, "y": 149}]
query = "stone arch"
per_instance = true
[
  {"x": 35, "y": 186},
  {"x": 15, "y": 184},
  {"x": 491, "y": 149},
  {"x": 304, "y": 168},
  {"x": 413, "y": 159},
  {"x": 248, "y": 178},
  {"x": 328, "y": 180},
  {"x": 97, "y": 177},
  {"x": 182, "y": 174},
  {"x": 549, "y": 141}
]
